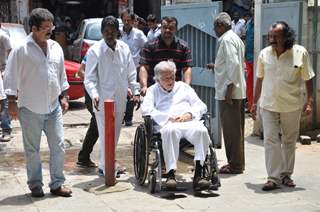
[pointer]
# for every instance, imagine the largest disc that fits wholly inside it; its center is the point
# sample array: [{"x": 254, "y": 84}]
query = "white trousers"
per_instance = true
[
  {"x": 280, "y": 152},
  {"x": 194, "y": 131},
  {"x": 101, "y": 130}
]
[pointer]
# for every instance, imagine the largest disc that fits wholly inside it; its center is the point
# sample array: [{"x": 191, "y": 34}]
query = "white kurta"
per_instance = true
[
  {"x": 161, "y": 105},
  {"x": 107, "y": 76}
]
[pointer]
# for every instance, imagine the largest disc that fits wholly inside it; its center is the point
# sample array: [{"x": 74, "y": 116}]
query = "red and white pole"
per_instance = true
[{"x": 109, "y": 139}]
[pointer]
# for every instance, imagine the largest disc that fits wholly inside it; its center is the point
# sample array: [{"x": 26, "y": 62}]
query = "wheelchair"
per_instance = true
[{"x": 148, "y": 159}]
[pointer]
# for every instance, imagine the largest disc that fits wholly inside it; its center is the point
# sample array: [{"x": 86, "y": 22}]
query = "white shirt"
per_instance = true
[
  {"x": 108, "y": 73},
  {"x": 283, "y": 78},
  {"x": 239, "y": 28},
  {"x": 229, "y": 66},
  {"x": 5, "y": 46},
  {"x": 153, "y": 33},
  {"x": 135, "y": 40},
  {"x": 161, "y": 105},
  {"x": 35, "y": 78}
]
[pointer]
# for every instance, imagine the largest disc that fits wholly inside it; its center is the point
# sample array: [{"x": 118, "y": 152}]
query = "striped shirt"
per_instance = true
[{"x": 156, "y": 51}]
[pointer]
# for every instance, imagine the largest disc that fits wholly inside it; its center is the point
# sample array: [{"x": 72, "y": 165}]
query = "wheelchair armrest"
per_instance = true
[{"x": 206, "y": 116}]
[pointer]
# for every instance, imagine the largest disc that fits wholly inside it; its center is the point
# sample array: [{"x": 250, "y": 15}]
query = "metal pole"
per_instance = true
[
  {"x": 315, "y": 64},
  {"x": 109, "y": 139}
]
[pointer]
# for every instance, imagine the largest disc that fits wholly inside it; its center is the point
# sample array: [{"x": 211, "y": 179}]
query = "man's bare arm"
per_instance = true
[
  {"x": 187, "y": 75},
  {"x": 143, "y": 78}
]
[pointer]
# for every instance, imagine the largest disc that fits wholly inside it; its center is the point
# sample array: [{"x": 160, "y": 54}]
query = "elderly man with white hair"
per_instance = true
[
  {"x": 230, "y": 87},
  {"x": 176, "y": 110}
]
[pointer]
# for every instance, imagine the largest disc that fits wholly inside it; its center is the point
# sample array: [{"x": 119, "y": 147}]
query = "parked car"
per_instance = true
[
  {"x": 89, "y": 32},
  {"x": 17, "y": 33},
  {"x": 76, "y": 89}
]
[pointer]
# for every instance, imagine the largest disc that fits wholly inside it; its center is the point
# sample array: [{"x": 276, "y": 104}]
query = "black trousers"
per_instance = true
[
  {"x": 129, "y": 111},
  {"x": 92, "y": 134}
]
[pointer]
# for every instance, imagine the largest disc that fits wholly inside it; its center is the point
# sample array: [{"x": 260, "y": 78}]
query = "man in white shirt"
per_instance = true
[
  {"x": 283, "y": 68},
  {"x": 154, "y": 28},
  {"x": 35, "y": 75},
  {"x": 5, "y": 48},
  {"x": 230, "y": 88},
  {"x": 109, "y": 71},
  {"x": 176, "y": 109},
  {"x": 135, "y": 39},
  {"x": 238, "y": 25}
]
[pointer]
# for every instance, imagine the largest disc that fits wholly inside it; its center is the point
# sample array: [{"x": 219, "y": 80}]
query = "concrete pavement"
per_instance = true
[{"x": 238, "y": 192}]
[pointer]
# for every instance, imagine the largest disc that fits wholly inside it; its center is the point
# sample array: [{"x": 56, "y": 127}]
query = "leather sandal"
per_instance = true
[
  {"x": 269, "y": 186},
  {"x": 228, "y": 170},
  {"x": 287, "y": 181},
  {"x": 61, "y": 191}
]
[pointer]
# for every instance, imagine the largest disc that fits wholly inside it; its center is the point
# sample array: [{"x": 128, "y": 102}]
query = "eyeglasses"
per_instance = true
[{"x": 51, "y": 28}]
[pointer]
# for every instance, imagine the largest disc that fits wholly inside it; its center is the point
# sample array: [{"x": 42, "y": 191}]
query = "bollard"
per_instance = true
[{"x": 109, "y": 139}]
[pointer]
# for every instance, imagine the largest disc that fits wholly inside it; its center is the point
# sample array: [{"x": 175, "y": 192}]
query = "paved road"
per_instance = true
[{"x": 238, "y": 192}]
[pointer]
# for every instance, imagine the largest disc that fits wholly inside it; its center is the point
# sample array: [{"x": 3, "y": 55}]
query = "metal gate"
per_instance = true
[{"x": 195, "y": 23}]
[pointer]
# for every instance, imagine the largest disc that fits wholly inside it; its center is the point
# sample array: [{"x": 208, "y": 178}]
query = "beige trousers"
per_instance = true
[{"x": 281, "y": 131}]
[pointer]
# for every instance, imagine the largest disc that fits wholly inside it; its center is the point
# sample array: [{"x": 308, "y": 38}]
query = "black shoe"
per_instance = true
[
  {"x": 171, "y": 182},
  {"x": 87, "y": 164},
  {"x": 37, "y": 192},
  {"x": 200, "y": 183}
]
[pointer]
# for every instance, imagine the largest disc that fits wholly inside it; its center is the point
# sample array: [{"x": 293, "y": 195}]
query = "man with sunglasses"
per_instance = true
[{"x": 35, "y": 76}]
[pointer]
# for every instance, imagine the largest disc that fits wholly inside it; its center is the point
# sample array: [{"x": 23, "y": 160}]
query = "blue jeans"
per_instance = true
[
  {"x": 32, "y": 125},
  {"x": 5, "y": 118}
]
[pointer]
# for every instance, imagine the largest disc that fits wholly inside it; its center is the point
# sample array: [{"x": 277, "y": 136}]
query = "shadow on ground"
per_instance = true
[{"x": 282, "y": 189}]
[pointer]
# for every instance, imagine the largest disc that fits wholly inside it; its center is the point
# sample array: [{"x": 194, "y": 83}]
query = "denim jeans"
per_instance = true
[
  {"x": 5, "y": 118},
  {"x": 32, "y": 125}
]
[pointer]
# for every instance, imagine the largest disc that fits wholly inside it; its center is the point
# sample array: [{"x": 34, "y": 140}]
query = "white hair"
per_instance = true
[
  {"x": 223, "y": 18},
  {"x": 164, "y": 66}
]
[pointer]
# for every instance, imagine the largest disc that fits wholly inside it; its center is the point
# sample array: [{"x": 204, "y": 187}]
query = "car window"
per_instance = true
[{"x": 93, "y": 31}]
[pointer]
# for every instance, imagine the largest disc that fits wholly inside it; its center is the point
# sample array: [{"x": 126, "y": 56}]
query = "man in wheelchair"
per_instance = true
[{"x": 176, "y": 110}]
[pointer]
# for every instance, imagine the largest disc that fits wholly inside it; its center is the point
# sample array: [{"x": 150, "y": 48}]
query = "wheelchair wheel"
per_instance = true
[{"x": 140, "y": 155}]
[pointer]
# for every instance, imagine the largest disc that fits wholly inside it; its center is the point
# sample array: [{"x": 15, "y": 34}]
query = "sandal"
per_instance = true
[
  {"x": 226, "y": 169},
  {"x": 287, "y": 181},
  {"x": 269, "y": 186}
]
